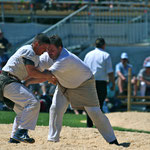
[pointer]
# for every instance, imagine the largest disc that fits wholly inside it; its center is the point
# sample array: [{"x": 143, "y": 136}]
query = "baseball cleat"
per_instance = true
[
  {"x": 21, "y": 135},
  {"x": 11, "y": 140}
]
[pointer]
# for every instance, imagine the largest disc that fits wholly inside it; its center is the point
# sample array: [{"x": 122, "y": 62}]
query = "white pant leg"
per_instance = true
[
  {"x": 143, "y": 88},
  {"x": 57, "y": 110},
  {"x": 101, "y": 122},
  {"x": 18, "y": 109},
  {"x": 26, "y": 117}
]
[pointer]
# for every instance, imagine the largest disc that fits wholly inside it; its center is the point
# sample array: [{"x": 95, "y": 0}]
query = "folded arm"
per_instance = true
[{"x": 121, "y": 75}]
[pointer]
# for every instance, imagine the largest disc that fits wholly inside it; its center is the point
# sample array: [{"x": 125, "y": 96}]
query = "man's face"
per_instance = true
[
  {"x": 41, "y": 48},
  {"x": 54, "y": 51},
  {"x": 124, "y": 61}
]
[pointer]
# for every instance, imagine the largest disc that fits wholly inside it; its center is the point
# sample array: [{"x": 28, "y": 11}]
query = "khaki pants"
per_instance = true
[{"x": 58, "y": 108}]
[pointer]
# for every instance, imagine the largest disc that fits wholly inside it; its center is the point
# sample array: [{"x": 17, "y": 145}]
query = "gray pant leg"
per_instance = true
[
  {"x": 57, "y": 110},
  {"x": 26, "y": 117},
  {"x": 18, "y": 109},
  {"x": 101, "y": 122}
]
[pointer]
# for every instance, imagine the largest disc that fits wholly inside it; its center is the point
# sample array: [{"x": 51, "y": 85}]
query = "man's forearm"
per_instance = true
[
  {"x": 34, "y": 81},
  {"x": 147, "y": 82},
  {"x": 35, "y": 73},
  {"x": 121, "y": 75}
]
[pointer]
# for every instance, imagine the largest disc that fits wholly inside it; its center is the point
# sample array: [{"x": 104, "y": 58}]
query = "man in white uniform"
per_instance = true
[
  {"x": 76, "y": 85},
  {"x": 20, "y": 66},
  {"x": 99, "y": 61}
]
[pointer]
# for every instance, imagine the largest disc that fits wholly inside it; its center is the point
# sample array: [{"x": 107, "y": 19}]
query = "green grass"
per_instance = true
[
  {"x": 72, "y": 120},
  {"x": 130, "y": 130},
  {"x": 6, "y": 117}
]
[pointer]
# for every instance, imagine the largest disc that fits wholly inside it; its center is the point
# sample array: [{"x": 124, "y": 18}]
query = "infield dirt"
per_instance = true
[{"x": 87, "y": 138}]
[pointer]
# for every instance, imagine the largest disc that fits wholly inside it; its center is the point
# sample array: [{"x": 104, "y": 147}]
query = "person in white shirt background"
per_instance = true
[{"x": 99, "y": 61}]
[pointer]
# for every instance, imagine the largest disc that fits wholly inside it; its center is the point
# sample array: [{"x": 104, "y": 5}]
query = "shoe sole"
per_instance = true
[
  {"x": 23, "y": 140},
  {"x": 52, "y": 141},
  {"x": 16, "y": 142}
]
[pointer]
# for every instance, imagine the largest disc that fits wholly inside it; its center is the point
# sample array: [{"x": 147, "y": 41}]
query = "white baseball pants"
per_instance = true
[
  {"x": 58, "y": 108},
  {"x": 27, "y": 107}
]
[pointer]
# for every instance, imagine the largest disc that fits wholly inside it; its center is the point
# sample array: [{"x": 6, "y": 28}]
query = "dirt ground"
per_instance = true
[{"x": 87, "y": 138}]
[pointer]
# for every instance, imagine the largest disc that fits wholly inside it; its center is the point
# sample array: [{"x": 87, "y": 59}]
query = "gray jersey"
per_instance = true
[{"x": 15, "y": 64}]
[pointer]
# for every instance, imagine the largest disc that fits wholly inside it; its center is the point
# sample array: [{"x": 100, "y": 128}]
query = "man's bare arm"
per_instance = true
[
  {"x": 34, "y": 81},
  {"x": 35, "y": 73},
  {"x": 38, "y": 76},
  {"x": 121, "y": 75}
]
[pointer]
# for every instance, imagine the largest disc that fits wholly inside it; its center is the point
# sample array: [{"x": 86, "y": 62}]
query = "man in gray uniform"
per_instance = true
[
  {"x": 76, "y": 85},
  {"x": 21, "y": 66}
]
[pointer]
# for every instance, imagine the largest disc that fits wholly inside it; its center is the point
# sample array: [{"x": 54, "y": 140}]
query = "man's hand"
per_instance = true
[
  {"x": 53, "y": 80},
  {"x": 123, "y": 78}
]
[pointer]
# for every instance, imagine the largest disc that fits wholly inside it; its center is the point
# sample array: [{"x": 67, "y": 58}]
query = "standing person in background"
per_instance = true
[
  {"x": 21, "y": 66},
  {"x": 122, "y": 75},
  {"x": 100, "y": 64},
  {"x": 4, "y": 42},
  {"x": 4, "y": 47}
]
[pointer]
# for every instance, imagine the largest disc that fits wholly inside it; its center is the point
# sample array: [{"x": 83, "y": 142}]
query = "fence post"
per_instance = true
[{"x": 129, "y": 90}]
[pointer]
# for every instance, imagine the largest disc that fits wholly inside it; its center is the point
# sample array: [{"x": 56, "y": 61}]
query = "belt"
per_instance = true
[{"x": 10, "y": 75}]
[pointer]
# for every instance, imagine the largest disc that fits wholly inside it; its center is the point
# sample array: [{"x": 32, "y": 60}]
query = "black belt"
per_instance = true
[{"x": 10, "y": 75}]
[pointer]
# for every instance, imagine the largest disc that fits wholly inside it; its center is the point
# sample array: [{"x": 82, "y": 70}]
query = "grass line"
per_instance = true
[
  {"x": 130, "y": 130},
  {"x": 69, "y": 119}
]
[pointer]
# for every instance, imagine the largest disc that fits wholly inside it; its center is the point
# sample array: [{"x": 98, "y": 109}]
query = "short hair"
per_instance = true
[
  {"x": 41, "y": 38},
  {"x": 56, "y": 40},
  {"x": 99, "y": 42}
]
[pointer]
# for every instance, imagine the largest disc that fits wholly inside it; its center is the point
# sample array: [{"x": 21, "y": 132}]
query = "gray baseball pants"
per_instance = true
[
  {"x": 58, "y": 108},
  {"x": 26, "y": 106}
]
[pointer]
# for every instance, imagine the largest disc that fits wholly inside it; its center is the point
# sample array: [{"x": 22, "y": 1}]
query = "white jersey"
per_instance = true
[
  {"x": 70, "y": 71},
  {"x": 15, "y": 64},
  {"x": 45, "y": 62},
  {"x": 100, "y": 64}
]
